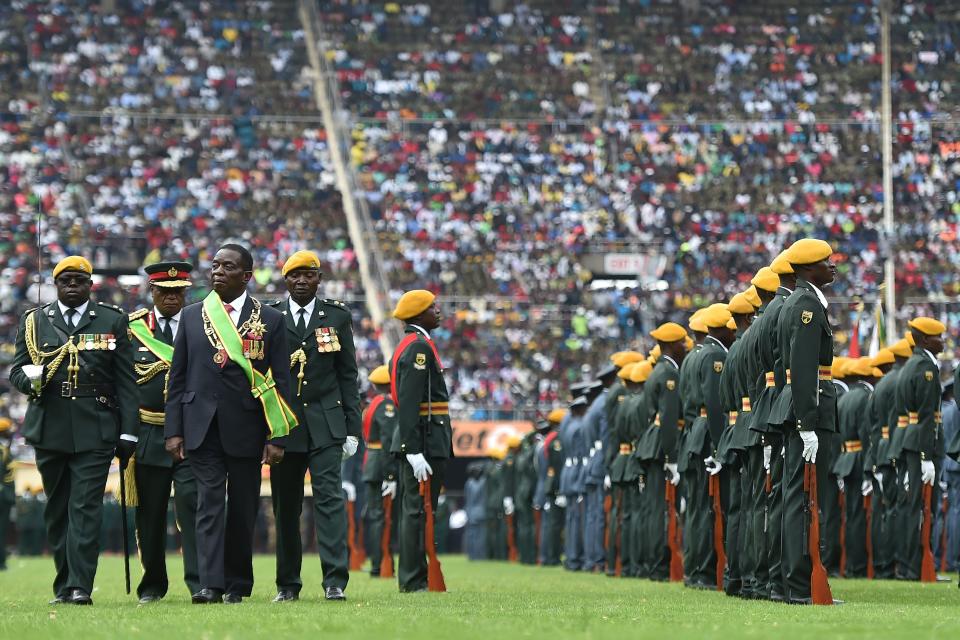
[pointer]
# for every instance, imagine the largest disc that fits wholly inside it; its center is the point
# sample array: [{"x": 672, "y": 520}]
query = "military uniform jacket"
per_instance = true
[
  {"x": 92, "y": 416},
  {"x": 571, "y": 439},
  {"x": 629, "y": 421},
  {"x": 745, "y": 372},
  {"x": 691, "y": 398},
  {"x": 552, "y": 451},
  {"x": 806, "y": 345},
  {"x": 855, "y": 420},
  {"x": 769, "y": 361},
  {"x": 918, "y": 397},
  {"x": 659, "y": 442},
  {"x": 327, "y": 398},
  {"x": 704, "y": 432},
  {"x": 884, "y": 401},
  {"x": 152, "y": 383},
  {"x": 730, "y": 400},
  {"x": 420, "y": 393},
  {"x": 596, "y": 432},
  {"x": 494, "y": 488},
  {"x": 379, "y": 426},
  {"x": 525, "y": 470}
]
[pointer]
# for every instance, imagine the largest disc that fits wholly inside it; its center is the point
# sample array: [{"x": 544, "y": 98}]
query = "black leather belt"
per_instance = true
[{"x": 103, "y": 390}]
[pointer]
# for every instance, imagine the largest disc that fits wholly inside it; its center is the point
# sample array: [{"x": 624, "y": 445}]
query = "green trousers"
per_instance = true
[
  {"x": 374, "y": 516},
  {"x": 910, "y": 515},
  {"x": 74, "y": 484},
  {"x": 883, "y": 529},
  {"x": 731, "y": 494},
  {"x": 828, "y": 498},
  {"x": 855, "y": 534},
  {"x": 699, "y": 555},
  {"x": 656, "y": 556},
  {"x": 526, "y": 533},
  {"x": 754, "y": 517},
  {"x": 412, "y": 568},
  {"x": 153, "y": 491},
  {"x": 330, "y": 516},
  {"x": 5, "y": 506},
  {"x": 774, "y": 519}
]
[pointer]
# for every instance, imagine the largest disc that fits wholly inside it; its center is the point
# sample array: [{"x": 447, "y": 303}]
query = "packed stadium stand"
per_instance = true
[{"x": 498, "y": 148}]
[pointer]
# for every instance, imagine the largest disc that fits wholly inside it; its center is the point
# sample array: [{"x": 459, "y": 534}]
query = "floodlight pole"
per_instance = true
[{"x": 887, "y": 145}]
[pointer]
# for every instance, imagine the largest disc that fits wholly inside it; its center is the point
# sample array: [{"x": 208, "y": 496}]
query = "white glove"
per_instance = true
[
  {"x": 713, "y": 466},
  {"x": 767, "y": 452},
  {"x": 421, "y": 469},
  {"x": 546, "y": 506},
  {"x": 810, "y": 445},
  {"x": 683, "y": 504},
  {"x": 943, "y": 485},
  {"x": 906, "y": 481},
  {"x": 350, "y": 490},
  {"x": 508, "y": 506},
  {"x": 350, "y": 446},
  {"x": 579, "y": 498},
  {"x": 561, "y": 501},
  {"x": 388, "y": 488},
  {"x": 840, "y": 484},
  {"x": 927, "y": 472},
  {"x": 606, "y": 482},
  {"x": 879, "y": 477},
  {"x": 866, "y": 487},
  {"x": 674, "y": 474}
]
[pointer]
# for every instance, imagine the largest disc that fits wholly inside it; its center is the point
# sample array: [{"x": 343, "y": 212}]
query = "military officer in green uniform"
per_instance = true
[
  {"x": 75, "y": 361},
  {"x": 324, "y": 378},
  {"x": 424, "y": 439},
  {"x": 880, "y": 464},
  {"x": 549, "y": 463},
  {"x": 627, "y": 533},
  {"x": 807, "y": 405},
  {"x": 379, "y": 467},
  {"x": 918, "y": 397},
  {"x": 657, "y": 448},
  {"x": 153, "y": 331},
  {"x": 525, "y": 483},
  {"x": 8, "y": 495},
  {"x": 494, "y": 494}
]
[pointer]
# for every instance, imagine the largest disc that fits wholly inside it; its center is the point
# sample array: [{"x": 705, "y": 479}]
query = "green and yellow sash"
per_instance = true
[
  {"x": 280, "y": 418},
  {"x": 159, "y": 348}
]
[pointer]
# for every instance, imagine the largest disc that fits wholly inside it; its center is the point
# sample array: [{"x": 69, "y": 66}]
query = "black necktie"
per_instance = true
[
  {"x": 72, "y": 318},
  {"x": 301, "y": 323},
  {"x": 165, "y": 330}
]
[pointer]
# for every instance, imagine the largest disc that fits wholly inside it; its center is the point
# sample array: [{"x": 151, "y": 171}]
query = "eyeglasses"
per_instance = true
[{"x": 76, "y": 281}]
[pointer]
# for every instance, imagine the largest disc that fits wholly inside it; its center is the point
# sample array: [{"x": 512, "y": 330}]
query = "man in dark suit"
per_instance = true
[
  {"x": 83, "y": 410},
  {"x": 228, "y": 410},
  {"x": 327, "y": 403}
]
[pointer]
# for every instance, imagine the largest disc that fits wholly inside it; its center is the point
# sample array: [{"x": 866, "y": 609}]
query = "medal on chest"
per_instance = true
[{"x": 327, "y": 339}]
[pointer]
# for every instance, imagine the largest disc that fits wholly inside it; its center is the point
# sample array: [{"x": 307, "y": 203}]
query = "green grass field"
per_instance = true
[{"x": 486, "y": 600}]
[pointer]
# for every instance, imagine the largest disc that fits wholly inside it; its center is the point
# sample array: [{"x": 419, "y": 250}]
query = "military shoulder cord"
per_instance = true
[
  {"x": 299, "y": 356},
  {"x": 58, "y": 354}
]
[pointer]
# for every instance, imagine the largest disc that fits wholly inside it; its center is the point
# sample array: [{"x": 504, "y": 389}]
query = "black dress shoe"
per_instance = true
[
  {"x": 207, "y": 596},
  {"x": 147, "y": 598},
  {"x": 776, "y": 596},
  {"x": 232, "y": 598},
  {"x": 78, "y": 596},
  {"x": 334, "y": 593},
  {"x": 285, "y": 595},
  {"x": 57, "y": 600}
]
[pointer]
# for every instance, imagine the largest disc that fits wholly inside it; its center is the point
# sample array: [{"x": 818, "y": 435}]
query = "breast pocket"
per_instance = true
[{"x": 336, "y": 422}]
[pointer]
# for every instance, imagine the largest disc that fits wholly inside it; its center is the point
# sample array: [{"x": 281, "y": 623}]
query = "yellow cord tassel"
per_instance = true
[{"x": 130, "y": 478}]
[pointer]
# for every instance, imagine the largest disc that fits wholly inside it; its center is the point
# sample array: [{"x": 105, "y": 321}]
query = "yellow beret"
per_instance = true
[
  {"x": 839, "y": 367},
  {"x": 876, "y": 373},
  {"x": 908, "y": 336},
  {"x": 808, "y": 251},
  {"x": 73, "y": 263},
  {"x": 557, "y": 415},
  {"x": 732, "y": 325},
  {"x": 5, "y": 424},
  {"x": 669, "y": 332},
  {"x": 623, "y": 358},
  {"x": 640, "y": 372},
  {"x": 624, "y": 373},
  {"x": 753, "y": 297},
  {"x": 380, "y": 375},
  {"x": 860, "y": 367},
  {"x": 716, "y": 316},
  {"x": 927, "y": 326},
  {"x": 740, "y": 305},
  {"x": 614, "y": 356},
  {"x": 766, "y": 279},
  {"x": 884, "y": 356},
  {"x": 696, "y": 322},
  {"x": 497, "y": 453},
  {"x": 654, "y": 354},
  {"x": 413, "y": 303},
  {"x": 688, "y": 343},
  {"x": 901, "y": 348},
  {"x": 301, "y": 260},
  {"x": 514, "y": 440},
  {"x": 780, "y": 265}
]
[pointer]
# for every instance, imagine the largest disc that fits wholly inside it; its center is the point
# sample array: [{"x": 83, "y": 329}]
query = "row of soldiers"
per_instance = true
[{"x": 737, "y": 456}]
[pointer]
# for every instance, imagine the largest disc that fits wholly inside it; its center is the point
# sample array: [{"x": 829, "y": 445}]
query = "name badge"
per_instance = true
[{"x": 327, "y": 340}]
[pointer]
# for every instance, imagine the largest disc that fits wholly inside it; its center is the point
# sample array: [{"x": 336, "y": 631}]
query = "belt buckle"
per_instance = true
[{"x": 65, "y": 390}]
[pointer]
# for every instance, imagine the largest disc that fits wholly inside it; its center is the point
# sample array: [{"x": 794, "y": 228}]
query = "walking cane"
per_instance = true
[
  {"x": 123, "y": 530},
  {"x": 435, "y": 580},
  {"x": 819, "y": 585},
  {"x": 386, "y": 559}
]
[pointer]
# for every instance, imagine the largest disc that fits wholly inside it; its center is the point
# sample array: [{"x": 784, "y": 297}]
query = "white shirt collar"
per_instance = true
[
  {"x": 64, "y": 308},
  {"x": 841, "y": 383},
  {"x": 420, "y": 329},
  {"x": 237, "y": 307},
  {"x": 175, "y": 318},
  {"x": 822, "y": 298},
  {"x": 295, "y": 309},
  {"x": 719, "y": 343},
  {"x": 933, "y": 358}
]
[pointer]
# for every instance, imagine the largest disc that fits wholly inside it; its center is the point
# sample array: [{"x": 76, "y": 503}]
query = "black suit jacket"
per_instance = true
[{"x": 200, "y": 389}]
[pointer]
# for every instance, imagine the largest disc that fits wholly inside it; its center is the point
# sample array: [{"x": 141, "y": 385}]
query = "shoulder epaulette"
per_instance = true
[
  {"x": 275, "y": 303},
  {"x": 112, "y": 307},
  {"x": 335, "y": 303},
  {"x": 139, "y": 313}
]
